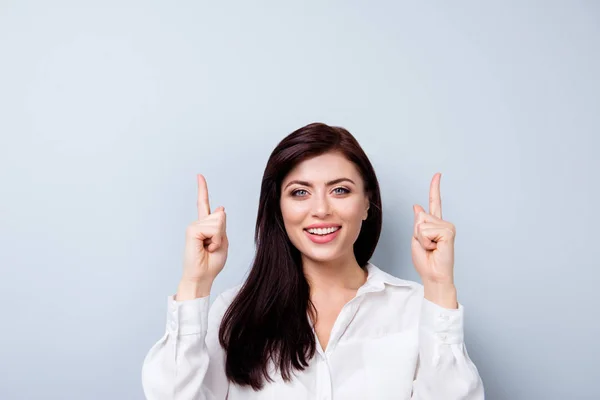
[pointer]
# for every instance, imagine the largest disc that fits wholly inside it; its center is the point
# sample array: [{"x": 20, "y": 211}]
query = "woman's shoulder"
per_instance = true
[
  {"x": 221, "y": 303},
  {"x": 225, "y": 298},
  {"x": 377, "y": 277}
]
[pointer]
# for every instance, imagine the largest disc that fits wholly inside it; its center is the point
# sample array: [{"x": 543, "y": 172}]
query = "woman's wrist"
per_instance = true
[
  {"x": 191, "y": 289},
  {"x": 442, "y": 294}
]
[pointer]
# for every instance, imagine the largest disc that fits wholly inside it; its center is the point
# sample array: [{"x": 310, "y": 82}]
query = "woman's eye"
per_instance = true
[
  {"x": 295, "y": 192},
  {"x": 341, "y": 190}
]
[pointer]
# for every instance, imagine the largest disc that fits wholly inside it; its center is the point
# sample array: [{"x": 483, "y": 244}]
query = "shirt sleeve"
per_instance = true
[
  {"x": 444, "y": 370},
  {"x": 188, "y": 362}
]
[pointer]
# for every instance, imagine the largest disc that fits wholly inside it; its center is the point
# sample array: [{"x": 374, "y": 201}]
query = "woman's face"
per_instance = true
[{"x": 323, "y": 204}]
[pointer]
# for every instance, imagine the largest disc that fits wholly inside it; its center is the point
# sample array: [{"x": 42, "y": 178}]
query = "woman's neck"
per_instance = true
[{"x": 335, "y": 275}]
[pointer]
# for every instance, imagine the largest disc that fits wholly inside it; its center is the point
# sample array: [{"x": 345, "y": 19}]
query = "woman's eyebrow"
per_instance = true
[{"x": 333, "y": 182}]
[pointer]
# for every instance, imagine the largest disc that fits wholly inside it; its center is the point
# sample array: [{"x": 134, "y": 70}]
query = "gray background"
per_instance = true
[{"x": 109, "y": 109}]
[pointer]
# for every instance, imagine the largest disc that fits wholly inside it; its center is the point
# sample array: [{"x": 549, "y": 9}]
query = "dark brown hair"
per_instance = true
[{"x": 267, "y": 321}]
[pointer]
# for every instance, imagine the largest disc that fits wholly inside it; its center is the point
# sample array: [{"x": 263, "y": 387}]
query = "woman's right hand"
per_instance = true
[{"x": 206, "y": 247}]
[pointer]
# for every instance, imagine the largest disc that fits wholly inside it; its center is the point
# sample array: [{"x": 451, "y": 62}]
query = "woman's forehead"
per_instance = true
[{"x": 324, "y": 168}]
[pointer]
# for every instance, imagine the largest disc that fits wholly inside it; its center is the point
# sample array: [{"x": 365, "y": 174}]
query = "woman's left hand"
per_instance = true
[{"x": 433, "y": 241}]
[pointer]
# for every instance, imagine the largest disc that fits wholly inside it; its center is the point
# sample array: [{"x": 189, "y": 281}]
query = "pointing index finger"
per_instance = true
[
  {"x": 435, "y": 198},
  {"x": 203, "y": 205}
]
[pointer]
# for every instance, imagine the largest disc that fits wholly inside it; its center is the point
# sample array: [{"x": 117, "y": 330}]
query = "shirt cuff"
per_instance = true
[
  {"x": 446, "y": 325},
  {"x": 187, "y": 317}
]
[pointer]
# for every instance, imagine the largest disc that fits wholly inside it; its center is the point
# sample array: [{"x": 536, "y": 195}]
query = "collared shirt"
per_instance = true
[{"x": 388, "y": 342}]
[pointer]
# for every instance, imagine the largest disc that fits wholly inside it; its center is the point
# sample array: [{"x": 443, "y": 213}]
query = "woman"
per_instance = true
[{"x": 315, "y": 319}]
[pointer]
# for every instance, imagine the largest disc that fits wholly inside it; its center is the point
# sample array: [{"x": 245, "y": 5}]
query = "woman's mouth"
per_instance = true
[{"x": 322, "y": 235}]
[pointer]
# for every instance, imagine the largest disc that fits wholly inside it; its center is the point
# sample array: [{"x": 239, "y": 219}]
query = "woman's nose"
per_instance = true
[{"x": 321, "y": 206}]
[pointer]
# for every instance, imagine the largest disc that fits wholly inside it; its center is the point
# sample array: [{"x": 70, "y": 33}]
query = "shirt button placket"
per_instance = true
[
  {"x": 327, "y": 391},
  {"x": 323, "y": 378}
]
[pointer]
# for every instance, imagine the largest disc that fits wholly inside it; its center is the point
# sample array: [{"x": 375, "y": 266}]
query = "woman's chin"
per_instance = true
[{"x": 322, "y": 255}]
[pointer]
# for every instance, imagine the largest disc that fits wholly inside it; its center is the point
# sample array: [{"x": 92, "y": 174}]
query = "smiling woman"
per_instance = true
[
  {"x": 314, "y": 318},
  {"x": 324, "y": 201}
]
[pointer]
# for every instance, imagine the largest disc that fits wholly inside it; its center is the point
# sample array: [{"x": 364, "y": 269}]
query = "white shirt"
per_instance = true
[{"x": 388, "y": 342}]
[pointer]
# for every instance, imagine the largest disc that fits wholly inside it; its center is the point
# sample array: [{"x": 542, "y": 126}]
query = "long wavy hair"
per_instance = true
[{"x": 267, "y": 321}]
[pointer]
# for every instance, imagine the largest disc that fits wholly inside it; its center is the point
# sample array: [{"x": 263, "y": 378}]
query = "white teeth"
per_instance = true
[{"x": 323, "y": 231}]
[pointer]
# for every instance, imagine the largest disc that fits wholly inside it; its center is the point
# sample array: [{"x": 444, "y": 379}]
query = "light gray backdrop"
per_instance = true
[{"x": 108, "y": 109}]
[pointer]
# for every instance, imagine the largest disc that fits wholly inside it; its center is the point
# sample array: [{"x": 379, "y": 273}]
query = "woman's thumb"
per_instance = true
[{"x": 417, "y": 209}]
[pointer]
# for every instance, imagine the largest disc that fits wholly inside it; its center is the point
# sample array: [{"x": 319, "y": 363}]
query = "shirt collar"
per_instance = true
[{"x": 377, "y": 279}]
